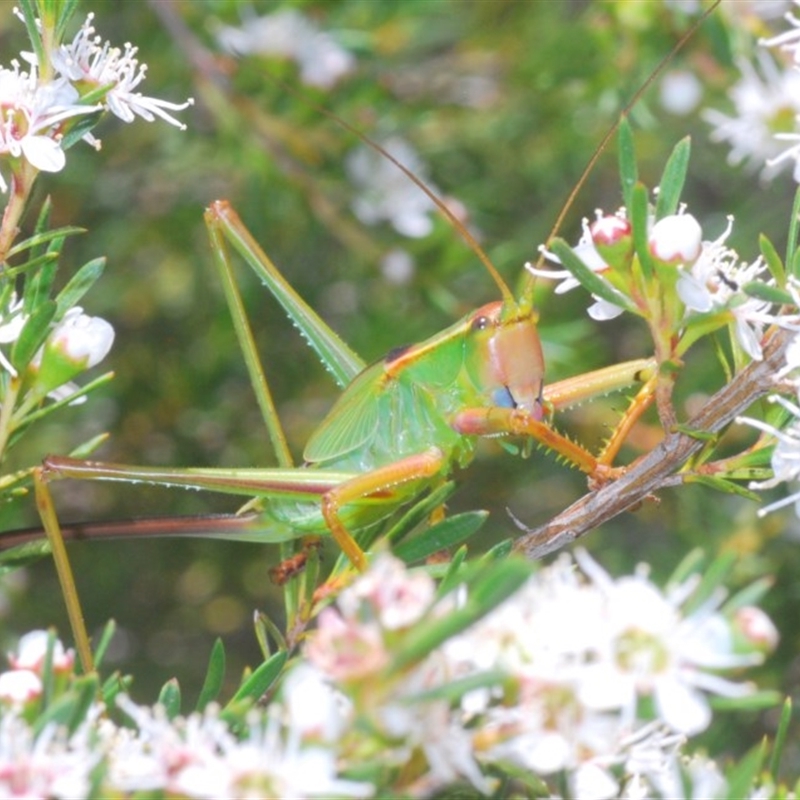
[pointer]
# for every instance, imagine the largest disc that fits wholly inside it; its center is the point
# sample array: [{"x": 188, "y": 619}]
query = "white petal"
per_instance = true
[
  {"x": 603, "y": 310},
  {"x": 682, "y": 708},
  {"x": 694, "y": 294},
  {"x": 43, "y": 153}
]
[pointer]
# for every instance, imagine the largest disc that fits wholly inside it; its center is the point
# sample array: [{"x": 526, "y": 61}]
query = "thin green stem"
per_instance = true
[{"x": 6, "y": 412}]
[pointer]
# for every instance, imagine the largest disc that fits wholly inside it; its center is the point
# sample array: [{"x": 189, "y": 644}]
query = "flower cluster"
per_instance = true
[
  {"x": 38, "y": 105},
  {"x": 555, "y": 681},
  {"x": 708, "y": 277},
  {"x": 289, "y": 34},
  {"x": 568, "y": 663},
  {"x": 766, "y": 106}
]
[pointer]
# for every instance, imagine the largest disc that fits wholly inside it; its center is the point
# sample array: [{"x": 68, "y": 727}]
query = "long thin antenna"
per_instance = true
[{"x": 508, "y": 298}]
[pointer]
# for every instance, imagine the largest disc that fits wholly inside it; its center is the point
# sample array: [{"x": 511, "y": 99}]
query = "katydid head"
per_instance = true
[{"x": 504, "y": 357}]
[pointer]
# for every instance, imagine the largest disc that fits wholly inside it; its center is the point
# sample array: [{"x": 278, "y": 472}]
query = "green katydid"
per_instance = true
[
  {"x": 399, "y": 428},
  {"x": 401, "y": 425}
]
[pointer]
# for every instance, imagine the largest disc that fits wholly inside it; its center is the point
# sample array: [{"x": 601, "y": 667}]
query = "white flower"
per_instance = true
[
  {"x": 587, "y": 252},
  {"x": 785, "y": 458},
  {"x": 676, "y": 239},
  {"x": 788, "y": 40},
  {"x": 31, "y": 113},
  {"x": 714, "y": 282},
  {"x": 82, "y": 339},
  {"x": 654, "y": 650},
  {"x": 289, "y": 34},
  {"x": 386, "y": 194},
  {"x": 51, "y": 764},
  {"x": 681, "y": 92},
  {"x": 763, "y": 100},
  {"x": 89, "y": 60},
  {"x": 11, "y": 325},
  {"x": 397, "y": 598}
]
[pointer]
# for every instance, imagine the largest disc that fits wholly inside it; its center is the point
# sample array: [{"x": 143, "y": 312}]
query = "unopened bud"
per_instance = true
[
  {"x": 77, "y": 343},
  {"x": 32, "y": 650},
  {"x": 677, "y": 239},
  {"x": 19, "y": 687},
  {"x": 754, "y": 630},
  {"x": 613, "y": 239}
]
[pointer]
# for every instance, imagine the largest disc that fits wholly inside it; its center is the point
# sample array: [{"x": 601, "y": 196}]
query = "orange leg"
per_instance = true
[
  {"x": 517, "y": 422},
  {"x": 419, "y": 466}
]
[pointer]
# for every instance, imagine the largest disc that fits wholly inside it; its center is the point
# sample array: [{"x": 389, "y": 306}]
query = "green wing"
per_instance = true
[{"x": 351, "y": 422}]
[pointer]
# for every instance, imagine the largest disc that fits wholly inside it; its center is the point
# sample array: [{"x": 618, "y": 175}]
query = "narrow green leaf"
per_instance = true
[
  {"x": 780, "y": 738},
  {"x": 452, "y": 576},
  {"x": 260, "y": 681},
  {"x": 105, "y": 640},
  {"x": 448, "y": 533},
  {"x": 79, "y": 284},
  {"x": 114, "y": 685},
  {"x": 500, "y": 550},
  {"x": 639, "y": 217},
  {"x": 51, "y": 407},
  {"x": 37, "y": 241},
  {"x": 79, "y": 127},
  {"x": 766, "y": 698},
  {"x": 30, "y": 16},
  {"x": 794, "y": 229},
  {"x": 30, "y": 266},
  {"x": 418, "y": 513},
  {"x": 455, "y": 689},
  {"x": 723, "y": 485},
  {"x": 673, "y": 179},
  {"x": 170, "y": 698},
  {"x": 23, "y": 555},
  {"x": 749, "y": 596},
  {"x": 712, "y": 579},
  {"x": 774, "y": 263},
  {"x": 628, "y": 170},
  {"x": 771, "y": 294},
  {"x": 692, "y": 562},
  {"x": 48, "y": 678},
  {"x": 33, "y": 335},
  {"x": 65, "y": 12},
  {"x": 741, "y": 778},
  {"x": 214, "y": 676},
  {"x": 590, "y": 280}
]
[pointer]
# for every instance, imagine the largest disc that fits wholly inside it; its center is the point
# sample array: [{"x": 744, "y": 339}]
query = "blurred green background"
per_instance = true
[{"x": 504, "y": 103}]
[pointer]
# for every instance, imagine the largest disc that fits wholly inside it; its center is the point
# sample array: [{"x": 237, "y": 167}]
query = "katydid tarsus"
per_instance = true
[{"x": 399, "y": 428}]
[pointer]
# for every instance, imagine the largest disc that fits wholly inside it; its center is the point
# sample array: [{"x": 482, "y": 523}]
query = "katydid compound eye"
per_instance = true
[{"x": 480, "y": 323}]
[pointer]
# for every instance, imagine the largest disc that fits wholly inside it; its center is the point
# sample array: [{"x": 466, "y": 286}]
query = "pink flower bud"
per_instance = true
[
  {"x": 609, "y": 230},
  {"x": 613, "y": 240},
  {"x": 19, "y": 686},
  {"x": 31, "y": 652},
  {"x": 677, "y": 239},
  {"x": 755, "y": 628}
]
